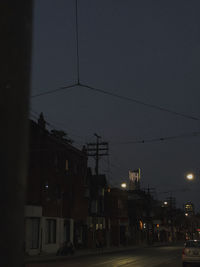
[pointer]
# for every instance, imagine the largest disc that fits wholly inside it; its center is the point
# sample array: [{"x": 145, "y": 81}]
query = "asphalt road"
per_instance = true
[{"x": 143, "y": 257}]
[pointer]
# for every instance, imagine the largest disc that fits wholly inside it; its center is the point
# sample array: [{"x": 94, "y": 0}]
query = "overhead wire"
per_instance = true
[
  {"x": 77, "y": 43},
  {"x": 140, "y": 102},
  {"x": 54, "y": 90},
  {"x": 141, "y": 141},
  {"x": 160, "y": 139},
  {"x": 120, "y": 97},
  {"x": 153, "y": 106},
  {"x": 134, "y": 100}
]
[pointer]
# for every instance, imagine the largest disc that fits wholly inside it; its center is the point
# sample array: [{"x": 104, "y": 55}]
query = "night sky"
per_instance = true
[{"x": 141, "y": 49}]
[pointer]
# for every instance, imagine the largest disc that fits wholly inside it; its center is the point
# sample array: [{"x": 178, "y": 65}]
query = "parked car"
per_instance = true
[{"x": 191, "y": 252}]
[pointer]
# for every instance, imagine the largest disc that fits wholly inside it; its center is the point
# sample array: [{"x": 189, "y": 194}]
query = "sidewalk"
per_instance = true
[{"x": 47, "y": 257}]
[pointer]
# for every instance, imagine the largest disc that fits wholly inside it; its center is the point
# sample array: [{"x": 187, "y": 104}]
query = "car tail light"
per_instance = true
[{"x": 183, "y": 252}]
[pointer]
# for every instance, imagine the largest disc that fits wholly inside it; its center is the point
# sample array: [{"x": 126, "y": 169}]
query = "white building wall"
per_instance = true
[
  {"x": 53, "y": 247},
  {"x": 43, "y": 246},
  {"x": 60, "y": 238},
  {"x": 33, "y": 211},
  {"x": 30, "y": 213}
]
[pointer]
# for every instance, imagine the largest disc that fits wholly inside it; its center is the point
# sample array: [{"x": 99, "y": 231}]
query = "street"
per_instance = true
[{"x": 141, "y": 257}]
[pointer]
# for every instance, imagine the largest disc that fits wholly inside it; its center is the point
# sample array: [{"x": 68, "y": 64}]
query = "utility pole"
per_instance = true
[{"x": 97, "y": 150}]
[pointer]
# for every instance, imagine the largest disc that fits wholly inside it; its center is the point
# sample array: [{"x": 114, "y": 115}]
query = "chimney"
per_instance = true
[{"x": 41, "y": 121}]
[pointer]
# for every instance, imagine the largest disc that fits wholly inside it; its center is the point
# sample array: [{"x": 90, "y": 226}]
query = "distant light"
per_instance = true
[
  {"x": 157, "y": 225},
  {"x": 123, "y": 185},
  {"x": 190, "y": 176},
  {"x": 144, "y": 225},
  {"x": 46, "y": 186},
  {"x": 165, "y": 202},
  {"x": 186, "y": 214}
]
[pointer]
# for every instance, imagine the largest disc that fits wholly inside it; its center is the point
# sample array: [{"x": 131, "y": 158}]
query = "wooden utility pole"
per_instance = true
[{"x": 97, "y": 150}]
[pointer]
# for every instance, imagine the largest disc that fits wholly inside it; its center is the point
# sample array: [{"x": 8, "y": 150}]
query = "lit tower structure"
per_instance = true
[{"x": 134, "y": 177}]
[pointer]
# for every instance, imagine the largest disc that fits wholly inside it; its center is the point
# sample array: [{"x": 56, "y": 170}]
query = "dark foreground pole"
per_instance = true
[{"x": 15, "y": 62}]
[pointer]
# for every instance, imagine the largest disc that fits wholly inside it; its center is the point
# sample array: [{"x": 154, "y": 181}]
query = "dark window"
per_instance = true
[
  {"x": 35, "y": 224},
  {"x": 50, "y": 236}
]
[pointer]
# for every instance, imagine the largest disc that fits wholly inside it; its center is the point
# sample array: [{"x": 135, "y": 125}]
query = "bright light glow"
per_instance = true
[
  {"x": 186, "y": 214},
  {"x": 123, "y": 185},
  {"x": 190, "y": 176},
  {"x": 165, "y": 202}
]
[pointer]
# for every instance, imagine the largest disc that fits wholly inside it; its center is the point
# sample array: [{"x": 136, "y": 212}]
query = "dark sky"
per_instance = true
[{"x": 142, "y": 49}]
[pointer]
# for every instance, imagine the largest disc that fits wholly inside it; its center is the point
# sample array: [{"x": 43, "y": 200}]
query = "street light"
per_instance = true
[
  {"x": 123, "y": 185},
  {"x": 190, "y": 176}
]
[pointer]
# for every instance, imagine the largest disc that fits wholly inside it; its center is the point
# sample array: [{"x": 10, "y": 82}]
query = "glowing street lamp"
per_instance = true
[
  {"x": 123, "y": 185},
  {"x": 190, "y": 176}
]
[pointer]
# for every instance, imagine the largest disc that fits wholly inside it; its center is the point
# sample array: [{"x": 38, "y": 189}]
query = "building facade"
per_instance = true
[{"x": 56, "y": 208}]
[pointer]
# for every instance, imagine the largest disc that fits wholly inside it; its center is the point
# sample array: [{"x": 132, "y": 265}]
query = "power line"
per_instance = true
[
  {"x": 183, "y": 190},
  {"x": 120, "y": 97},
  {"x": 104, "y": 91},
  {"x": 54, "y": 90},
  {"x": 142, "y": 141},
  {"x": 77, "y": 44},
  {"x": 140, "y": 102}
]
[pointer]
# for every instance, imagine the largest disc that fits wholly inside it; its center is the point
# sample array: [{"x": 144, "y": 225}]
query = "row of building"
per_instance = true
[{"x": 66, "y": 202}]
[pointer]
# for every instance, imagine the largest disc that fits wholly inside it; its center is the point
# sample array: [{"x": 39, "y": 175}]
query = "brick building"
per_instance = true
[
  {"x": 117, "y": 216},
  {"x": 96, "y": 220},
  {"x": 56, "y": 204}
]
